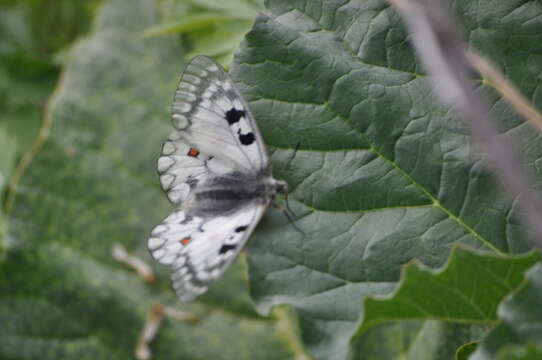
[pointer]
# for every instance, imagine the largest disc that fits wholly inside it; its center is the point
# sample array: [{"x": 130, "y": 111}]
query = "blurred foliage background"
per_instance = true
[
  {"x": 60, "y": 60},
  {"x": 35, "y": 39},
  {"x": 34, "y": 36}
]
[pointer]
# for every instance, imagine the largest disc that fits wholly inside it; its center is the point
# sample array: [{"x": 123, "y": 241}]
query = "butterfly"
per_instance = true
[{"x": 215, "y": 169}]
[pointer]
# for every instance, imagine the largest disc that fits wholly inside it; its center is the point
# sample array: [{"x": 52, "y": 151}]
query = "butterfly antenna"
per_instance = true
[
  {"x": 293, "y": 154},
  {"x": 292, "y": 221},
  {"x": 290, "y": 211}
]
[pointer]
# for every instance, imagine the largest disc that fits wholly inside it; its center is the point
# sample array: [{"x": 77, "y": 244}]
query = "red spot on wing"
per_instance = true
[
  {"x": 186, "y": 240},
  {"x": 193, "y": 152}
]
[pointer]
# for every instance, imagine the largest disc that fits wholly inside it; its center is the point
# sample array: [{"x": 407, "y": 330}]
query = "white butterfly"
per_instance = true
[{"x": 214, "y": 166}]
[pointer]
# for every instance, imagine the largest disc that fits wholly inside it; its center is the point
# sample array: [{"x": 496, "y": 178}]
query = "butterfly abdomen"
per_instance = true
[{"x": 227, "y": 195}]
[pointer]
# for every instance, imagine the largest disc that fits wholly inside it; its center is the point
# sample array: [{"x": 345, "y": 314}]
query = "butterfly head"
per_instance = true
[
  {"x": 281, "y": 187},
  {"x": 275, "y": 187}
]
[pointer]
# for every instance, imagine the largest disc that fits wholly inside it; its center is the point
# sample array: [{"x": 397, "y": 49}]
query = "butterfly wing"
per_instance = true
[
  {"x": 214, "y": 133},
  {"x": 199, "y": 250}
]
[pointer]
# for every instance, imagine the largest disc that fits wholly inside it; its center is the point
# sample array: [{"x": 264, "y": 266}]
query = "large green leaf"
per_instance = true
[
  {"x": 467, "y": 290},
  {"x": 412, "y": 340},
  {"x": 384, "y": 174},
  {"x": 93, "y": 184},
  {"x": 519, "y": 333}
]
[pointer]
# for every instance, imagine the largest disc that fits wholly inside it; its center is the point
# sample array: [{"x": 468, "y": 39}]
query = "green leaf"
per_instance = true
[
  {"x": 93, "y": 184},
  {"x": 191, "y": 23},
  {"x": 214, "y": 28},
  {"x": 528, "y": 352},
  {"x": 383, "y": 173},
  {"x": 246, "y": 8},
  {"x": 467, "y": 290},
  {"x": 220, "y": 40},
  {"x": 519, "y": 332},
  {"x": 412, "y": 340},
  {"x": 465, "y": 350},
  {"x": 32, "y": 31}
]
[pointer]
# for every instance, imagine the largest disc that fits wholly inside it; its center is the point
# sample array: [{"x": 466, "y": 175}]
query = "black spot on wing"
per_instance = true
[
  {"x": 233, "y": 115},
  {"x": 247, "y": 139},
  {"x": 226, "y": 248},
  {"x": 241, "y": 228}
]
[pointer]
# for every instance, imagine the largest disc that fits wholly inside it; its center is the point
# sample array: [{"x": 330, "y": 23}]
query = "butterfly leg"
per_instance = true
[{"x": 287, "y": 212}]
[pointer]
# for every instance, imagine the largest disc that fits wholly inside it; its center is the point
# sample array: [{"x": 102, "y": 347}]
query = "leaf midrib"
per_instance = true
[{"x": 433, "y": 200}]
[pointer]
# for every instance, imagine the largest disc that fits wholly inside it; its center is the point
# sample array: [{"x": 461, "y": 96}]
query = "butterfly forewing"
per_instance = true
[{"x": 214, "y": 131}]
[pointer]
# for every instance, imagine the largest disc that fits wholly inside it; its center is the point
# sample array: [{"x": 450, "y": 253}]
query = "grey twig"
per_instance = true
[
  {"x": 155, "y": 317},
  {"x": 506, "y": 89},
  {"x": 445, "y": 57}
]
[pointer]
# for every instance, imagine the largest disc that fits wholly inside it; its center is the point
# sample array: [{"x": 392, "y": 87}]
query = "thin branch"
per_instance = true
[
  {"x": 179, "y": 315},
  {"x": 37, "y": 145},
  {"x": 445, "y": 57},
  {"x": 144, "y": 271},
  {"x": 155, "y": 317},
  {"x": 509, "y": 92}
]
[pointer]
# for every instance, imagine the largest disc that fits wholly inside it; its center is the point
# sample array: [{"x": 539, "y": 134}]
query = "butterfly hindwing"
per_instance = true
[
  {"x": 199, "y": 250},
  {"x": 172, "y": 236},
  {"x": 181, "y": 168},
  {"x": 214, "y": 132}
]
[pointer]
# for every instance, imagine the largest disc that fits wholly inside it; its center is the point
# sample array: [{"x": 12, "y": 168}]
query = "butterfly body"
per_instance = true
[
  {"x": 215, "y": 169},
  {"x": 225, "y": 194}
]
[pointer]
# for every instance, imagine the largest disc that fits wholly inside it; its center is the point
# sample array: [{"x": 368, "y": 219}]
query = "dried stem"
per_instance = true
[
  {"x": 509, "y": 92},
  {"x": 154, "y": 319},
  {"x": 152, "y": 325},
  {"x": 144, "y": 271}
]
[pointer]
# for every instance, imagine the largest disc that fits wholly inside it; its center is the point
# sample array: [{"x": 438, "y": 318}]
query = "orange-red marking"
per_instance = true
[
  {"x": 186, "y": 240},
  {"x": 193, "y": 152}
]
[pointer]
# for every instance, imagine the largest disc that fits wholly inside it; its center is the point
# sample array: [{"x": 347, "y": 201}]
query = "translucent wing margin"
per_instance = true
[
  {"x": 199, "y": 250},
  {"x": 214, "y": 131}
]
